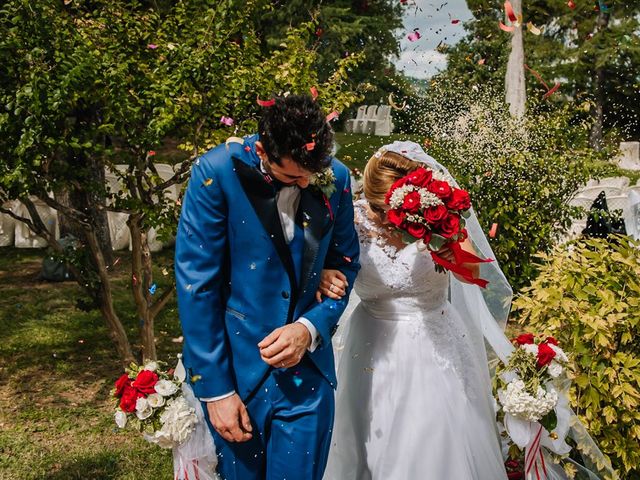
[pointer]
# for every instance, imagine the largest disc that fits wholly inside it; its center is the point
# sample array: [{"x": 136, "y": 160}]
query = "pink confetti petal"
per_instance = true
[
  {"x": 228, "y": 121},
  {"x": 332, "y": 116},
  {"x": 152, "y": 46},
  {"x": 314, "y": 92},
  {"x": 310, "y": 146},
  {"x": 151, "y": 153},
  {"x": 493, "y": 231},
  {"x": 508, "y": 9},
  {"x": 481, "y": 61},
  {"x": 266, "y": 103},
  {"x": 414, "y": 36},
  {"x": 505, "y": 28},
  {"x": 571, "y": 5}
]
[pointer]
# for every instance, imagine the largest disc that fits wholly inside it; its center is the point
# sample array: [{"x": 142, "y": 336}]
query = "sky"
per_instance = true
[{"x": 433, "y": 19}]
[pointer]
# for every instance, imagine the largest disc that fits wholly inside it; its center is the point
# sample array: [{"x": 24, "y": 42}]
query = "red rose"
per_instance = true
[
  {"x": 121, "y": 383},
  {"x": 463, "y": 235},
  {"x": 435, "y": 214},
  {"x": 417, "y": 230},
  {"x": 459, "y": 200},
  {"x": 545, "y": 355},
  {"x": 411, "y": 202},
  {"x": 420, "y": 177},
  {"x": 450, "y": 226},
  {"x": 552, "y": 341},
  {"x": 440, "y": 188},
  {"x": 396, "y": 217},
  {"x": 525, "y": 339},
  {"x": 397, "y": 184},
  {"x": 145, "y": 381},
  {"x": 427, "y": 237},
  {"x": 129, "y": 397}
]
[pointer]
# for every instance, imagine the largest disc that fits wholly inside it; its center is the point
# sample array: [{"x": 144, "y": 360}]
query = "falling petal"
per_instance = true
[
  {"x": 571, "y": 5},
  {"x": 414, "y": 36},
  {"x": 152, "y": 46},
  {"x": 533, "y": 29},
  {"x": 314, "y": 92},
  {"x": 481, "y": 61},
  {"x": 333, "y": 115},
  {"x": 505, "y": 28},
  {"x": 493, "y": 231},
  {"x": 228, "y": 121},
  {"x": 266, "y": 103},
  {"x": 151, "y": 153},
  {"x": 310, "y": 146}
]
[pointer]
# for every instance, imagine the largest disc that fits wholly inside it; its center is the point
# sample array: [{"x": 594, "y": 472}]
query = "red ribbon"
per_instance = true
[
  {"x": 461, "y": 256},
  {"x": 328, "y": 204},
  {"x": 531, "y": 457}
]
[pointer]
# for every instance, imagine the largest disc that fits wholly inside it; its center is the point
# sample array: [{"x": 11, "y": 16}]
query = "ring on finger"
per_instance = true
[{"x": 331, "y": 287}]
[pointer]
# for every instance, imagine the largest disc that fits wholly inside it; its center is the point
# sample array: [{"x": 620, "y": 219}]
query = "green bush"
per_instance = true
[
  {"x": 520, "y": 173},
  {"x": 588, "y": 297}
]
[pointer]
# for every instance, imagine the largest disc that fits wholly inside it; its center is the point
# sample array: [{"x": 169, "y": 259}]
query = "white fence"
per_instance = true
[{"x": 15, "y": 233}]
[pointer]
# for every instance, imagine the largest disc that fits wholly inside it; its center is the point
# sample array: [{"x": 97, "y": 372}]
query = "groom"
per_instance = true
[{"x": 253, "y": 237}]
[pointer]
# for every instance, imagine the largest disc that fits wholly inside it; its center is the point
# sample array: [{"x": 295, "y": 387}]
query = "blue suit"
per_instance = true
[{"x": 238, "y": 280}]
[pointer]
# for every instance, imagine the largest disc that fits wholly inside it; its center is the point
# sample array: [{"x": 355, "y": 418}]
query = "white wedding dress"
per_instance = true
[{"x": 414, "y": 395}]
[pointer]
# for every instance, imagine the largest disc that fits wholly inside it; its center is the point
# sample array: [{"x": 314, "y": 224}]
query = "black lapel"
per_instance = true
[
  {"x": 261, "y": 195},
  {"x": 313, "y": 216}
]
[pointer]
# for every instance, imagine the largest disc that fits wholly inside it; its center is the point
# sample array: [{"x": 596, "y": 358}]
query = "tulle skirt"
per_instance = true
[{"x": 413, "y": 400}]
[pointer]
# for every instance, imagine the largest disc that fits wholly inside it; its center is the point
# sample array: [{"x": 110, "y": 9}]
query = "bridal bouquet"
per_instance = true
[
  {"x": 151, "y": 401},
  {"x": 426, "y": 206},
  {"x": 534, "y": 408}
]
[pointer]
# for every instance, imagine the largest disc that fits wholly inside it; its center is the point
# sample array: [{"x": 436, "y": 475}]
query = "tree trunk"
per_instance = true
[
  {"x": 141, "y": 282},
  {"x": 105, "y": 300},
  {"x": 514, "y": 82},
  {"x": 596, "y": 134}
]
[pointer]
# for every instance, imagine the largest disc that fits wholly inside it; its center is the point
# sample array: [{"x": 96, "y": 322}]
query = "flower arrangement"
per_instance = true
[
  {"x": 426, "y": 206},
  {"x": 324, "y": 181},
  {"x": 150, "y": 400},
  {"x": 534, "y": 408}
]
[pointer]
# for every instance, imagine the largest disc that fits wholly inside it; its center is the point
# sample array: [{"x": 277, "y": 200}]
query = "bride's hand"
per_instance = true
[{"x": 333, "y": 284}]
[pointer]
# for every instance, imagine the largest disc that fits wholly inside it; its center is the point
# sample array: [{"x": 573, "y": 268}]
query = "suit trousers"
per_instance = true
[{"x": 292, "y": 412}]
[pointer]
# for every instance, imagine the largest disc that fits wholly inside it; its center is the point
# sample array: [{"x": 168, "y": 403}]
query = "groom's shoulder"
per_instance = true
[
  {"x": 220, "y": 158},
  {"x": 340, "y": 170}
]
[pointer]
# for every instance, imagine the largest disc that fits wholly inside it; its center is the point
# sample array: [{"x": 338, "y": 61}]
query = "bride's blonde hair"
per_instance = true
[{"x": 381, "y": 171}]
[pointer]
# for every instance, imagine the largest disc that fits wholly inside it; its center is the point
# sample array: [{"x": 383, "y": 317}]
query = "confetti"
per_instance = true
[
  {"x": 319, "y": 32},
  {"x": 533, "y": 29},
  {"x": 134, "y": 279},
  {"x": 207, "y": 182},
  {"x": 505, "y": 28},
  {"x": 152, "y": 46},
  {"x": 314, "y": 92},
  {"x": 151, "y": 153},
  {"x": 332, "y": 116},
  {"x": 551, "y": 91},
  {"x": 414, "y": 36},
  {"x": 511, "y": 15},
  {"x": 310, "y": 146},
  {"x": 347, "y": 259},
  {"x": 196, "y": 378},
  {"x": 152, "y": 289},
  {"x": 297, "y": 381},
  {"x": 233, "y": 140},
  {"x": 454, "y": 21},
  {"x": 481, "y": 61},
  {"x": 179, "y": 339},
  {"x": 165, "y": 272},
  {"x": 266, "y": 103},
  {"x": 493, "y": 231},
  {"x": 571, "y": 5},
  {"x": 394, "y": 105},
  {"x": 228, "y": 121}
]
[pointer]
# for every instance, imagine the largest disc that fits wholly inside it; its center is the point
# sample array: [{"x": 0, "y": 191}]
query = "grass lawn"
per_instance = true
[{"x": 57, "y": 366}]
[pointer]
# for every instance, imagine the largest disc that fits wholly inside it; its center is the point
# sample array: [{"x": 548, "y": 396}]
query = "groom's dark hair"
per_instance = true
[{"x": 295, "y": 126}]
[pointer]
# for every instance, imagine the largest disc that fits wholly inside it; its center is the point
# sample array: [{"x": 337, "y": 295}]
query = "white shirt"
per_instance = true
[{"x": 287, "y": 200}]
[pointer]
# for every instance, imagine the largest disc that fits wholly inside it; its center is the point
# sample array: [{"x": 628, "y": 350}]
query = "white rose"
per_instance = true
[
  {"x": 143, "y": 409},
  {"x": 555, "y": 369},
  {"x": 155, "y": 400},
  {"x": 531, "y": 348},
  {"x": 166, "y": 388},
  {"x": 121, "y": 418},
  {"x": 151, "y": 366}
]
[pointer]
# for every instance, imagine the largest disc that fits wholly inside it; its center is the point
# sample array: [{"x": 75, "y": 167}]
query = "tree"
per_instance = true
[
  {"x": 587, "y": 48},
  {"x": 88, "y": 86}
]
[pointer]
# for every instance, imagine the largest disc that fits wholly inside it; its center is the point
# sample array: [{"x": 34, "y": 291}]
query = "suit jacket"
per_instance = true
[{"x": 235, "y": 276}]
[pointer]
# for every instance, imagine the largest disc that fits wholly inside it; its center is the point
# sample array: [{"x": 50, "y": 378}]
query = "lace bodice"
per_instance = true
[{"x": 399, "y": 280}]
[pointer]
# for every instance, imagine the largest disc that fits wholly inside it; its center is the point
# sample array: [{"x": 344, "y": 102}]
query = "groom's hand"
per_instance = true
[
  {"x": 230, "y": 419},
  {"x": 285, "y": 346}
]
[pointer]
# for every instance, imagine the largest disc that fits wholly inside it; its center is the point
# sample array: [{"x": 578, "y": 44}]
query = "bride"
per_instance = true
[{"x": 414, "y": 392}]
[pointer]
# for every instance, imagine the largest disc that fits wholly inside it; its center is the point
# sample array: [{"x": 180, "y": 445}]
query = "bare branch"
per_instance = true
[{"x": 157, "y": 307}]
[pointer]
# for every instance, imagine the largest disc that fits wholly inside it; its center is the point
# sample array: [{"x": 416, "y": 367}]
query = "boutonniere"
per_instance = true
[{"x": 324, "y": 182}]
